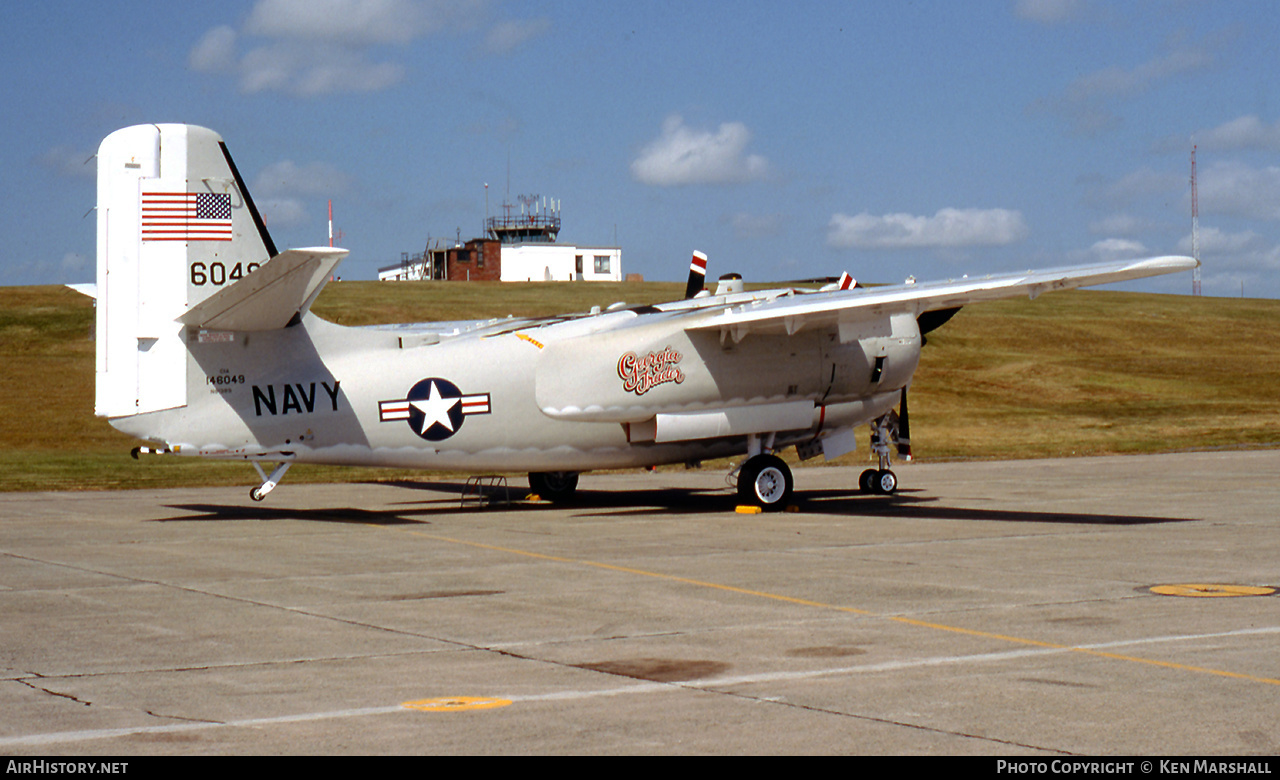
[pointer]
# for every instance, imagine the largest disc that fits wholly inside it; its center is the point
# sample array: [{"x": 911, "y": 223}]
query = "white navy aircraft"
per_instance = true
[{"x": 206, "y": 346}]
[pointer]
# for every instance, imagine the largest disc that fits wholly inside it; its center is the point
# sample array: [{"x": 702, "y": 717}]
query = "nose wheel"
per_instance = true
[
  {"x": 885, "y": 432},
  {"x": 878, "y": 481}
]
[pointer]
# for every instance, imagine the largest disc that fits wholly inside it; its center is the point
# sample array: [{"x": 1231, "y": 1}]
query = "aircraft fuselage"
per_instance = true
[{"x": 602, "y": 391}]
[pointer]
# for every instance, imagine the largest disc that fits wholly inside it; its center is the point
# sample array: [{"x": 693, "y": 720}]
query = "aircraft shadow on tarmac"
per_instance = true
[
  {"x": 905, "y": 506},
  {"x": 258, "y": 512},
  {"x": 651, "y": 501}
]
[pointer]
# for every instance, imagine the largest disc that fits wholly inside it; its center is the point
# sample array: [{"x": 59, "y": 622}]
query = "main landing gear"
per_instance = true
[
  {"x": 554, "y": 486},
  {"x": 764, "y": 479}
]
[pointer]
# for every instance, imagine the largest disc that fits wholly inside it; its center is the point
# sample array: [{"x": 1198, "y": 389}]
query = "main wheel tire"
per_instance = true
[
  {"x": 554, "y": 486},
  {"x": 765, "y": 481},
  {"x": 886, "y": 482}
]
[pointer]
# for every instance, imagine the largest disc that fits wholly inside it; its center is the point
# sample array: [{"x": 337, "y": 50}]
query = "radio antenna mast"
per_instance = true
[{"x": 1195, "y": 227}]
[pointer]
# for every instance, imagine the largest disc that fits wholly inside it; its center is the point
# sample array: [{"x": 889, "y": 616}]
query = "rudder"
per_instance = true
[{"x": 175, "y": 225}]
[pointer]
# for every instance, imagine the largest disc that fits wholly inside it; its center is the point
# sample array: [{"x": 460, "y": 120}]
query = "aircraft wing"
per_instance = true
[{"x": 792, "y": 313}]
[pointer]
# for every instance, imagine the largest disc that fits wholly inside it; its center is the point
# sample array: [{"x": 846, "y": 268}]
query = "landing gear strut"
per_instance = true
[
  {"x": 885, "y": 433},
  {"x": 268, "y": 483}
]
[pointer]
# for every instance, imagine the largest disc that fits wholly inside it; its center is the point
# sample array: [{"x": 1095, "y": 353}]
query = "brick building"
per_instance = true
[{"x": 517, "y": 249}]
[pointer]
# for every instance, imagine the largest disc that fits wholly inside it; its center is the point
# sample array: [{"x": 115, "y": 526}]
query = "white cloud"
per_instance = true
[
  {"x": 1246, "y": 132},
  {"x": 66, "y": 161},
  {"x": 1140, "y": 188},
  {"x": 948, "y": 228},
  {"x": 283, "y": 213},
  {"x": 282, "y": 190},
  {"x": 749, "y": 226},
  {"x": 1229, "y": 260},
  {"x": 291, "y": 65},
  {"x": 1109, "y": 249},
  {"x": 311, "y": 70},
  {"x": 1215, "y": 242},
  {"x": 74, "y": 265},
  {"x": 288, "y": 178},
  {"x": 319, "y": 47},
  {"x": 1118, "y": 249},
  {"x": 505, "y": 37},
  {"x": 215, "y": 52},
  {"x": 1116, "y": 82},
  {"x": 1236, "y": 189},
  {"x": 1087, "y": 104},
  {"x": 354, "y": 22},
  {"x": 1048, "y": 11},
  {"x": 681, "y": 155},
  {"x": 71, "y": 267},
  {"x": 1120, "y": 225}
]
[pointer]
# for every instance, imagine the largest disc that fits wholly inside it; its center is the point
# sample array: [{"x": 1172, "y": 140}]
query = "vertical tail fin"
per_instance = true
[{"x": 175, "y": 225}]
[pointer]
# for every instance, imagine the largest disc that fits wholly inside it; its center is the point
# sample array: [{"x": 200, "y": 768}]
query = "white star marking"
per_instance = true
[{"x": 435, "y": 409}]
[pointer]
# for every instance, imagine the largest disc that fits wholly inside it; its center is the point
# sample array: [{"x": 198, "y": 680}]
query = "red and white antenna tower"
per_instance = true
[
  {"x": 338, "y": 234},
  {"x": 1195, "y": 227}
]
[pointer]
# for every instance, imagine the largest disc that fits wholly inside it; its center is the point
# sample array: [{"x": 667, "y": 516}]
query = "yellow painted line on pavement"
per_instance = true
[
  {"x": 839, "y": 608},
  {"x": 456, "y": 704},
  {"x": 1211, "y": 591}
]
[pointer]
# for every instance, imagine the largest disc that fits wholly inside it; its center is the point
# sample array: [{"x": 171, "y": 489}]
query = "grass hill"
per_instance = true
[{"x": 1074, "y": 373}]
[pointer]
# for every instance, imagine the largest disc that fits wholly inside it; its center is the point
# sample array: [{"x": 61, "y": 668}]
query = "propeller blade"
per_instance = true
[
  {"x": 932, "y": 320},
  {"x": 697, "y": 275},
  {"x": 904, "y": 429}
]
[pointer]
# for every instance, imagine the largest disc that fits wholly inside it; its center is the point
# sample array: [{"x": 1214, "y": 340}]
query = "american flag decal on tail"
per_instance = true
[{"x": 186, "y": 216}]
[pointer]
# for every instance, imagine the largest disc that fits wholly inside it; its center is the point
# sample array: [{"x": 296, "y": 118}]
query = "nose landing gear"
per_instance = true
[{"x": 888, "y": 432}]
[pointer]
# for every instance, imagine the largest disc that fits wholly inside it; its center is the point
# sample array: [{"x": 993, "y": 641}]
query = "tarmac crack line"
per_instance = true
[
  {"x": 899, "y": 723},
  {"x": 716, "y": 685},
  {"x": 1092, "y": 650},
  {"x": 41, "y": 689},
  {"x": 250, "y": 602}
]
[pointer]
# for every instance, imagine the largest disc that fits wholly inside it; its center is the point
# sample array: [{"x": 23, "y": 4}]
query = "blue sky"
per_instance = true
[{"x": 785, "y": 140}]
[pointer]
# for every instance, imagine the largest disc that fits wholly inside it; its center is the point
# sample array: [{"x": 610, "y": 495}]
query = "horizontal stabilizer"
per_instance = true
[{"x": 271, "y": 296}]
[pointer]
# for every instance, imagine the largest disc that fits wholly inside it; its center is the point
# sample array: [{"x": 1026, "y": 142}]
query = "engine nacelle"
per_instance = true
[{"x": 676, "y": 385}]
